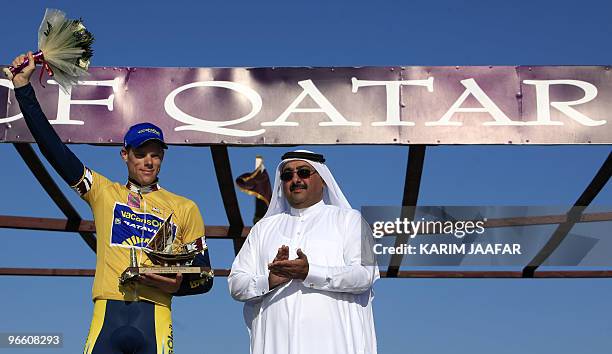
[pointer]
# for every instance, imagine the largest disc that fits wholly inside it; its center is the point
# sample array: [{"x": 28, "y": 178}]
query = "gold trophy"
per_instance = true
[{"x": 167, "y": 256}]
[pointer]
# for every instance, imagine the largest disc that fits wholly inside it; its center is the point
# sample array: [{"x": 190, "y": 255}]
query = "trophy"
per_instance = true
[{"x": 167, "y": 256}]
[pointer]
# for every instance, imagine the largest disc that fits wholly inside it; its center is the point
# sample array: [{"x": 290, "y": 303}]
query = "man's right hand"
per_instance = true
[
  {"x": 23, "y": 78},
  {"x": 281, "y": 255}
]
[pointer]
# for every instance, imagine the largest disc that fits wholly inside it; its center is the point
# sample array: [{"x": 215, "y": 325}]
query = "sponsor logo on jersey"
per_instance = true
[
  {"x": 133, "y": 200},
  {"x": 134, "y": 229}
]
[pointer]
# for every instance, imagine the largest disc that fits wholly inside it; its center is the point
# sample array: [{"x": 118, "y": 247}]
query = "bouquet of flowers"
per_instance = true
[{"x": 64, "y": 49}]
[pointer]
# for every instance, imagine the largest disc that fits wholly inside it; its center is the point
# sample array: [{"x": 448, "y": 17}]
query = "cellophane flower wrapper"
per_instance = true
[{"x": 66, "y": 46}]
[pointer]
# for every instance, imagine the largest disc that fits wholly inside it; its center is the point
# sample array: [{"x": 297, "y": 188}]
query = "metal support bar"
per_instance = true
[
  {"x": 225, "y": 180},
  {"x": 573, "y": 216},
  {"x": 45, "y": 224},
  {"x": 67, "y": 272},
  {"x": 50, "y": 224},
  {"x": 545, "y": 220},
  {"x": 412, "y": 184},
  {"x": 40, "y": 172},
  {"x": 70, "y": 272},
  {"x": 501, "y": 274}
]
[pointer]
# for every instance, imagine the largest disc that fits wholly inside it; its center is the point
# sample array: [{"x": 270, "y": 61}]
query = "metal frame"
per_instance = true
[
  {"x": 40, "y": 172},
  {"x": 574, "y": 214},
  {"x": 412, "y": 185},
  {"x": 237, "y": 231},
  {"x": 223, "y": 170}
]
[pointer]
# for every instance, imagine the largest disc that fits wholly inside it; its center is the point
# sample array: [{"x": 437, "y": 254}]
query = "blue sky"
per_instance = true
[{"x": 412, "y": 315}]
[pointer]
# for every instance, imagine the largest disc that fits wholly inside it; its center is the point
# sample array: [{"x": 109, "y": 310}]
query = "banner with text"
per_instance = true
[{"x": 290, "y": 106}]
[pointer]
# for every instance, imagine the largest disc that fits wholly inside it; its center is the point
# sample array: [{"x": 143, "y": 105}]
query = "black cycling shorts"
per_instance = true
[{"x": 134, "y": 327}]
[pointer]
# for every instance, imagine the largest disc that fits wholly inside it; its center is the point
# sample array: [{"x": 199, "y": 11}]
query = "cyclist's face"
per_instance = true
[{"x": 144, "y": 162}]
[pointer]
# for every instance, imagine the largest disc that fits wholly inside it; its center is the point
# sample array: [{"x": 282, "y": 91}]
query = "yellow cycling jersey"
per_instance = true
[{"x": 127, "y": 219}]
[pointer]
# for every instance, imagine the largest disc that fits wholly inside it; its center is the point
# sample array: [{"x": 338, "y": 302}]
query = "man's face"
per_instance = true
[
  {"x": 302, "y": 192},
  {"x": 144, "y": 162}
]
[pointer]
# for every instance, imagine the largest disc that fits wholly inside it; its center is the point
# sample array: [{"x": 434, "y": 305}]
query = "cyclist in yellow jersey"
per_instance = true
[{"x": 132, "y": 318}]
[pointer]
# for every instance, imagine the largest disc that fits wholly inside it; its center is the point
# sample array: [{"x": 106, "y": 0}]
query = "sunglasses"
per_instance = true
[{"x": 303, "y": 173}]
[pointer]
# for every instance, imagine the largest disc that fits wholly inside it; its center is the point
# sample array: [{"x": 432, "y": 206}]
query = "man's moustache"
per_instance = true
[{"x": 296, "y": 186}]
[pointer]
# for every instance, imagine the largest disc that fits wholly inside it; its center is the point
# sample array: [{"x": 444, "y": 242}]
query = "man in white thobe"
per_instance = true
[{"x": 306, "y": 269}]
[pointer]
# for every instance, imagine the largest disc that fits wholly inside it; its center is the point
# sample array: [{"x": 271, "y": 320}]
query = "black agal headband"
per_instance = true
[{"x": 304, "y": 156}]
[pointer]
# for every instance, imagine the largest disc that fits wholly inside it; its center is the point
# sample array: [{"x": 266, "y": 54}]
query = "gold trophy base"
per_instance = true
[{"x": 132, "y": 273}]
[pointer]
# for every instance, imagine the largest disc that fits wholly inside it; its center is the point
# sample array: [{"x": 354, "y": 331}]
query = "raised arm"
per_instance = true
[{"x": 67, "y": 165}]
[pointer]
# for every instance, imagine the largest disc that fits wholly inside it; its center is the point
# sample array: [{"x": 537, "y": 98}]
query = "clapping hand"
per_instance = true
[
  {"x": 294, "y": 269},
  {"x": 281, "y": 255}
]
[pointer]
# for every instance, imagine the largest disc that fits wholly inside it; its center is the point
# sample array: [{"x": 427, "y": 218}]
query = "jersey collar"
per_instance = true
[{"x": 137, "y": 188}]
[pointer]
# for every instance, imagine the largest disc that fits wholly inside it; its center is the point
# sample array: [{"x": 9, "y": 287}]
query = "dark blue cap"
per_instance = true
[{"x": 140, "y": 133}]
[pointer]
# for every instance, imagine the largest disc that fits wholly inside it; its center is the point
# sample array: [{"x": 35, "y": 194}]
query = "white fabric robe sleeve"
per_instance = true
[
  {"x": 245, "y": 282},
  {"x": 360, "y": 271}
]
